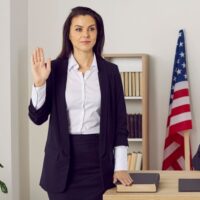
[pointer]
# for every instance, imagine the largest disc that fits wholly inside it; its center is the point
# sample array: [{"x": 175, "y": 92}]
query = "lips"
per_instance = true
[{"x": 85, "y": 42}]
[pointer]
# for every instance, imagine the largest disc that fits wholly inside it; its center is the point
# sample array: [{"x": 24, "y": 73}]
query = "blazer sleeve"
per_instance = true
[
  {"x": 39, "y": 116},
  {"x": 121, "y": 129}
]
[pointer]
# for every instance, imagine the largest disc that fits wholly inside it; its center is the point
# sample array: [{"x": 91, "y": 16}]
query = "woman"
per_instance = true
[{"x": 86, "y": 148}]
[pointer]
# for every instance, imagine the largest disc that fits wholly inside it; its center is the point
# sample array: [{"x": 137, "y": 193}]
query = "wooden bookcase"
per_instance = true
[{"x": 136, "y": 63}]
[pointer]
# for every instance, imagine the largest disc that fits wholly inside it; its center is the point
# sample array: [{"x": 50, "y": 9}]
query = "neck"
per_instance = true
[{"x": 84, "y": 59}]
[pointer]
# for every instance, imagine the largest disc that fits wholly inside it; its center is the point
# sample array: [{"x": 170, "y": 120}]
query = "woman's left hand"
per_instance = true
[{"x": 123, "y": 177}]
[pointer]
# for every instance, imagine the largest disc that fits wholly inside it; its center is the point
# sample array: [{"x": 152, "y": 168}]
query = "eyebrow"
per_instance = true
[{"x": 88, "y": 26}]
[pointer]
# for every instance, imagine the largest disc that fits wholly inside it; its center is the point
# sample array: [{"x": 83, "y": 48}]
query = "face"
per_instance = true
[{"x": 83, "y": 33}]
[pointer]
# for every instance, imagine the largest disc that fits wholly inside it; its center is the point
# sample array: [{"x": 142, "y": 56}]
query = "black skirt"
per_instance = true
[{"x": 85, "y": 179}]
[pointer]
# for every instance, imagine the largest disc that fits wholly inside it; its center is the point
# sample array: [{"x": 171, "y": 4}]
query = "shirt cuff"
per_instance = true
[
  {"x": 38, "y": 96},
  {"x": 121, "y": 162}
]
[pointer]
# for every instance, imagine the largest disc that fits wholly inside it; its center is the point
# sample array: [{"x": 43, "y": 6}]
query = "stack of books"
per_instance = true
[
  {"x": 134, "y": 125},
  {"x": 134, "y": 161},
  {"x": 132, "y": 83}
]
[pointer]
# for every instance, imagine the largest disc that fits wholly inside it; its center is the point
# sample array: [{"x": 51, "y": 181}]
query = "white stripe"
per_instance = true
[
  {"x": 181, "y": 85},
  {"x": 180, "y": 101},
  {"x": 180, "y": 118},
  {"x": 170, "y": 149},
  {"x": 181, "y": 162}
]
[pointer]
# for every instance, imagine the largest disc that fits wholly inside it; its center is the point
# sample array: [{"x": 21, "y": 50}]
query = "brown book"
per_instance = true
[
  {"x": 130, "y": 85},
  {"x": 133, "y": 161},
  {"x": 137, "y": 84},
  {"x": 142, "y": 182},
  {"x": 129, "y": 160},
  {"x": 126, "y": 83},
  {"x": 189, "y": 185},
  {"x": 133, "y": 83}
]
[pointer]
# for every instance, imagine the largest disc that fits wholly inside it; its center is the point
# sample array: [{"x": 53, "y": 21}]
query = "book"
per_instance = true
[
  {"x": 129, "y": 160},
  {"x": 130, "y": 84},
  {"x": 137, "y": 84},
  {"x": 133, "y": 161},
  {"x": 133, "y": 83},
  {"x": 142, "y": 182},
  {"x": 189, "y": 185},
  {"x": 126, "y": 83},
  {"x": 138, "y": 165}
]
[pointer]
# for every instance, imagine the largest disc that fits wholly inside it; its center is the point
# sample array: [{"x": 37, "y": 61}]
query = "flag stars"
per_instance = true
[
  {"x": 185, "y": 75},
  {"x": 178, "y": 71},
  {"x": 183, "y": 65},
  {"x": 180, "y": 34},
  {"x": 182, "y": 54},
  {"x": 178, "y": 61},
  {"x": 180, "y": 44}
]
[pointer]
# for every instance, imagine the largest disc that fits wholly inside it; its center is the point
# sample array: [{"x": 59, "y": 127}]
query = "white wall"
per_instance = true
[
  {"x": 5, "y": 103},
  {"x": 13, "y": 101},
  {"x": 132, "y": 26}
]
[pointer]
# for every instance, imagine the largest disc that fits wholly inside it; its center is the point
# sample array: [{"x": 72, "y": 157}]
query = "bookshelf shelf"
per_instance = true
[
  {"x": 135, "y": 139},
  {"x": 134, "y": 74},
  {"x": 131, "y": 98}
]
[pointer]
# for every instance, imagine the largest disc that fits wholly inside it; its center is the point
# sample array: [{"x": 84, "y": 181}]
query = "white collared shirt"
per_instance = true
[{"x": 83, "y": 99}]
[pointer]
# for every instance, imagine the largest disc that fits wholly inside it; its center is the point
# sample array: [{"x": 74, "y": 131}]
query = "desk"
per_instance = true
[{"x": 168, "y": 188}]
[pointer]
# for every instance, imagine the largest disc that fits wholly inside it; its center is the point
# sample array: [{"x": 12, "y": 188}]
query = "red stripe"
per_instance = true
[
  {"x": 179, "y": 139},
  {"x": 176, "y": 166},
  {"x": 178, "y": 110},
  {"x": 180, "y": 93},
  {"x": 181, "y": 126},
  {"x": 173, "y": 157}
]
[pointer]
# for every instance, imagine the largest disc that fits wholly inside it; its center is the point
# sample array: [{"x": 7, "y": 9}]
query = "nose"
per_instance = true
[{"x": 86, "y": 33}]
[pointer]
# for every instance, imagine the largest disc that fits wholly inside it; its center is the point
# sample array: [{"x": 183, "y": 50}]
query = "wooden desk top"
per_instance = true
[{"x": 168, "y": 188}]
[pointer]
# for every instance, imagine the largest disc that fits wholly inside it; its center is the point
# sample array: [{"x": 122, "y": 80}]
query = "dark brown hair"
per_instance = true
[{"x": 67, "y": 47}]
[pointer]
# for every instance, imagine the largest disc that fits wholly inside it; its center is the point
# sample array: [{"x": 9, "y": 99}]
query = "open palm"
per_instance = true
[{"x": 40, "y": 69}]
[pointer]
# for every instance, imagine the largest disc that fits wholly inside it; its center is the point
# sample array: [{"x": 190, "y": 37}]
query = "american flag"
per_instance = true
[{"x": 179, "y": 118}]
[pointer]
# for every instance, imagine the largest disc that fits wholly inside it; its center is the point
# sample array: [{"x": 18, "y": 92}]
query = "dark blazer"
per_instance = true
[{"x": 113, "y": 129}]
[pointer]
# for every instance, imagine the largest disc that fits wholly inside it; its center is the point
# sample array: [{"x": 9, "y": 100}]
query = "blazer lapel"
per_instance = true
[{"x": 61, "y": 81}]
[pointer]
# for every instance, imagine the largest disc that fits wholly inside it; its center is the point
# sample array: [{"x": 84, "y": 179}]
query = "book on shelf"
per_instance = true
[
  {"x": 137, "y": 80},
  {"x": 130, "y": 85},
  {"x": 133, "y": 83},
  {"x": 129, "y": 160},
  {"x": 189, "y": 185},
  {"x": 142, "y": 182},
  {"x": 126, "y": 84},
  {"x": 134, "y": 161},
  {"x": 138, "y": 164},
  {"x": 134, "y": 125}
]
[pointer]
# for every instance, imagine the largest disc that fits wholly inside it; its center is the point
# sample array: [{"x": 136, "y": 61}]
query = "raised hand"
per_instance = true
[{"x": 40, "y": 69}]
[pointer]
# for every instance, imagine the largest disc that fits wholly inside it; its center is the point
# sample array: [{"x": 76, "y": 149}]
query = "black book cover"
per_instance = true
[{"x": 189, "y": 185}]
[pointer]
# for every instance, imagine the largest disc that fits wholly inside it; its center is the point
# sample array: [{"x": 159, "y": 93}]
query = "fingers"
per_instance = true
[
  {"x": 123, "y": 177},
  {"x": 41, "y": 55},
  {"x": 38, "y": 56}
]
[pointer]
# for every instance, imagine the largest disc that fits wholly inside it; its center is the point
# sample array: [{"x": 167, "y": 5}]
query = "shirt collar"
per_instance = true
[{"x": 72, "y": 64}]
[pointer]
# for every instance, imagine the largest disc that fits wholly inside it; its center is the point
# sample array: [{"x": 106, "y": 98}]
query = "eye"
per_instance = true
[
  {"x": 78, "y": 29},
  {"x": 92, "y": 28}
]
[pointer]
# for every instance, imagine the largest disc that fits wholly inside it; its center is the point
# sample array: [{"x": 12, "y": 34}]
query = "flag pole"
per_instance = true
[{"x": 187, "y": 149}]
